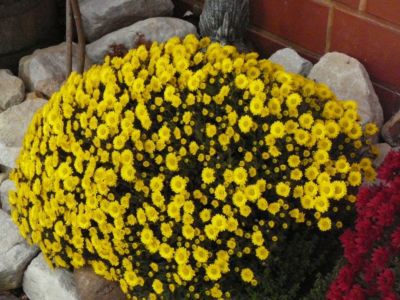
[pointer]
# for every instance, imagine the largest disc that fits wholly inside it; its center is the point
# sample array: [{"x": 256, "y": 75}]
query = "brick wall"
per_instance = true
[{"x": 368, "y": 30}]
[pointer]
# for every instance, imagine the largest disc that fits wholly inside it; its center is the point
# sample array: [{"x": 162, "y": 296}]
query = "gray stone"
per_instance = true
[
  {"x": 100, "y": 17},
  {"x": 5, "y": 187},
  {"x": 42, "y": 283},
  {"x": 45, "y": 69},
  {"x": 292, "y": 61},
  {"x": 7, "y": 296},
  {"x": 13, "y": 124},
  {"x": 91, "y": 286},
  {"x": 12, "y": 90},
  {"x": 391, "y": 130},
  {"x": 3, "y": 176},
  {"x": 349, "y": 80},
  {"x": 384, "y": 149},
  {"x": 154, "y": 29},
  {"x": 35, "y": 95},
  {"x": 15, "y": 254}
]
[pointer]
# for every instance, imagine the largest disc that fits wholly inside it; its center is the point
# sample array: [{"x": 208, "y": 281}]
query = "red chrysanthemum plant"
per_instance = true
[{"x": 372, "y": 248}]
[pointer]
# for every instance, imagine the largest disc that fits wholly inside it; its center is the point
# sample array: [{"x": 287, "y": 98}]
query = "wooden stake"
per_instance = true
[
  {"x": 68, "y": 36},
  {"x": 81, "y": 35}
]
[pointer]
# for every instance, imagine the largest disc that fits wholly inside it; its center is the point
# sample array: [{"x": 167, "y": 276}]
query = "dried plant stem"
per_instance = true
[
  {"x": 68, "y": 36},
  {"x": 81, "y": 36}
]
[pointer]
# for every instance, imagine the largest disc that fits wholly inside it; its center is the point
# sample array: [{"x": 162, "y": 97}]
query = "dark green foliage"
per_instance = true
[{"x": 300, "y": 267}]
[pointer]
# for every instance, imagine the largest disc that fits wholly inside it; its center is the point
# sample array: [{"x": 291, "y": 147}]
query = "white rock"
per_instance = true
[
  {"x": 100, "y": 17},
  {"x": 384, "y": 149},
  {"x": 5, "y": 187},
  {"x": 3, "y": 176},
  {"x": 13, "y": 124},
  {"x": 291, "y": 61},
  {"x": 42, "y": 283},
  {"x": 349, "y": 80},
  {"x": 15, "y": 254},
  {"x": 45, "y": 69},
  {"x": 12, "y": 90},
  {"x": 391, "y": 130},
  {"x": 154, "y": 29}
]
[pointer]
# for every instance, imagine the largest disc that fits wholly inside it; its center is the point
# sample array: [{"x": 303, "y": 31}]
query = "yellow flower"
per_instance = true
[
  {"x": 257, "y": 238},
  {"x": 213, "y": 272},
  {"x": 211, "y": 130},
  {"x": 240, "y": 176},
  {"x": 178, "y": 184},
  {"x": 262, "y": 253},
  {"x": 186, "y": 272},
  {"x": 256, "y": 86},
  {"x": 340, "y": 189},
  {"x": 274, "y": 106},
  {"x": 219, "y": 222},
  {"x": 321, "y": 204},
  {"x": 172, "y": 162},
  {"x": 128, "y": 173},
  {"x": 241, "y": 81},
  {"x": 245, "y": 123},
  {"x": 256, "y": 106},
  {"x": 307, "y": 202},
  {"x": 166, "y": 251},
  {"x": 247, "y": 275},
  {"x": 181, "y": 256},
  {"x": 371, "y": 129},
  {"x": 239, "y": 198},
  {"x": 207, "y": 175},
  {"x": 282, "y": 189},
  {"x": 157, "y": 286},
  {"x": 321, "y": 156},
  {"x": 277, "y": 129},
  {"x": 146, "y": 236},
  {"x": 293, "y": 100},
  {"x": 324, "y": 224},
  {"x": 306, "y": 120},
  {"x": 211, "y": 232},
  {"x": 354, "y": 178},
  {"x": 164, "y": 133},
  {"x": 342, "y": 166},
  {"x": 200, "y": 254},
  {"x": 220, "y": 192}
]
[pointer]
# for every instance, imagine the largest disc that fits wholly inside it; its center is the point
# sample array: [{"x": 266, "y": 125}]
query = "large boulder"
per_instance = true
[
  {"x": 45, "y": 69},
  {"x": 13, "y": 124},
  {"x": 383, "y": 150},
  {"x": 291, "y": 61},
  {"x": 3, "y": 177},
  {"x": 154, "y": 29},
  {"x": 100, "y": 17},
  {"x": 391, "y": 130},
  {"x": 12, "y": 90},
  {"x": 42, "y": 283},
  {"x": 91, "y": 286},
  {"x": 349, "y": 80},
  {"x": 5, "y": 187},
  {"x": 15, "y": 254}
]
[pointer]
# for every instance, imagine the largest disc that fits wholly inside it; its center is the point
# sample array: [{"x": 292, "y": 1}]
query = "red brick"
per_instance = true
[
  {"x": 377, "y": 47},
  {"x": 303, "y": 22},
  {"x": 351, "y": 3},
  {"x": 386, "y": 9},
  {"x": 389, "y": 99},
  {"x": 266, "y": 45},
  {"x": 263, "y": 44}
]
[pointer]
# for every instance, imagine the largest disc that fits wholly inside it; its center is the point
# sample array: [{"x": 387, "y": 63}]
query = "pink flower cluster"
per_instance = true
[{"x": 371, "y": 247}]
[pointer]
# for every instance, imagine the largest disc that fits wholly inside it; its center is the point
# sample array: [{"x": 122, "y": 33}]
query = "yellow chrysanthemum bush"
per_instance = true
[{"x": 177, "y": 168}]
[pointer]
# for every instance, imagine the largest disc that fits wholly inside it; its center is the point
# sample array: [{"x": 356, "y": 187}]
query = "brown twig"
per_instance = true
[
  {"x": 81, "y": 35},
  {"x": 68, "y": 36}
]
